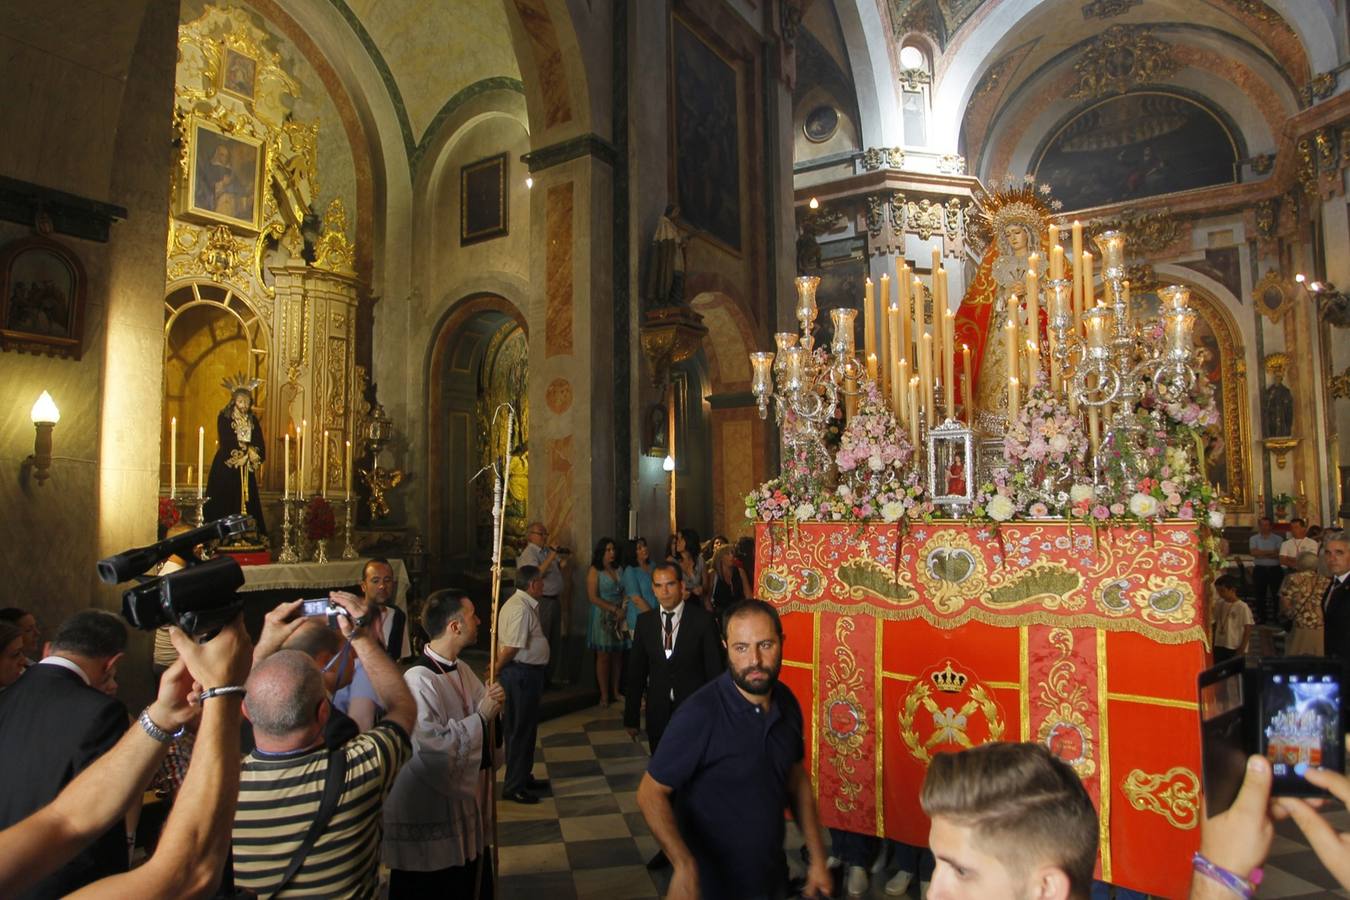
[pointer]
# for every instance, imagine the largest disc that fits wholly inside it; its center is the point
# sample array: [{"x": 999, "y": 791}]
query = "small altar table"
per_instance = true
[
  {"x": 903, "y": 644},
  {"x": 326, "y": 576},
  {"x": 266, "y": 586}
]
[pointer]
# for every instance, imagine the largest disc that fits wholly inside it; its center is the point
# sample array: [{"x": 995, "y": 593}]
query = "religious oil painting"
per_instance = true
[
  {"x": 41, "y": 298},
  {"x": 482, "y": 200},
  {"x": 238, "y": 74},
  {"x": 1135, "y": 146},
  {"x": 225, "y": 177},
  {"x": 707, "y": 138},
  {"x": 1219, "y": 355}
]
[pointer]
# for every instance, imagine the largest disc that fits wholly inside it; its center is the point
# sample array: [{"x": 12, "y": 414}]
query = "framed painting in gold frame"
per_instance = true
[
  {"x": 238, "y": 74},
  {"x": 482, "y": 200},
  {"x": 41, "y": 298},
  {"x": 224, "y": 177}
]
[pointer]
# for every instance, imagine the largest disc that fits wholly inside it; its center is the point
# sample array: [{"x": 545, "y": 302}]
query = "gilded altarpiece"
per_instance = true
[{"x": 244, "y": 293}]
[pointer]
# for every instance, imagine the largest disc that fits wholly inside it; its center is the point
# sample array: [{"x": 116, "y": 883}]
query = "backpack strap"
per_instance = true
[{"x": 333, "y": 783}]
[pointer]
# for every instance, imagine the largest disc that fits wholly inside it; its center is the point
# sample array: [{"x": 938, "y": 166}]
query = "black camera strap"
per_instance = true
[{"x": 332, "y": 792}]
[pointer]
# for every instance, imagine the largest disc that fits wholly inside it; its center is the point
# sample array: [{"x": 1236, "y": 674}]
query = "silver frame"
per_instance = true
[{"x": 951, "y": 432}]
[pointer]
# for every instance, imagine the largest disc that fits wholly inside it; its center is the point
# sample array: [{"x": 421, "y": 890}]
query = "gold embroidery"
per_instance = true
[
  {"x": 1066, "y": 706},
  {"x": 949, "y": 723},
  {"x": 1174, "y": 795},
  {"x": 845, "y": 719}
]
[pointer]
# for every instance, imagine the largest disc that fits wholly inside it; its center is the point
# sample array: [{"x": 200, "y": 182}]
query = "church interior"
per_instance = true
[{"x": 397, "y": 225}]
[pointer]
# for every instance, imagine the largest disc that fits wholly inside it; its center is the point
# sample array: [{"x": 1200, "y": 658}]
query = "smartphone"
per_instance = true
[
  {"x": 1223, "y": 733},
  {"x": 1287, "y": 710},
  {"x": 1300, "y": 721}
]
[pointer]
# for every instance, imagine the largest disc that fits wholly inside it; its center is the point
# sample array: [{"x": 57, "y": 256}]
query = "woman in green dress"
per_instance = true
[{"x": 607, "y": 630}]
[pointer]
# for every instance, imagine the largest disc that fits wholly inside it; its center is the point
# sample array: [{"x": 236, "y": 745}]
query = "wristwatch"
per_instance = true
[{"x": 156, "y": 733}]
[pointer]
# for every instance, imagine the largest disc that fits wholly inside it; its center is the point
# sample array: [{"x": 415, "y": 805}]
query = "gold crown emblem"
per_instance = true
[{"x": 948, "y": 680}]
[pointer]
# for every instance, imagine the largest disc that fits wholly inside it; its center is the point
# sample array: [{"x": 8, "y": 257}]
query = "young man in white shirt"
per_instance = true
[{"x": 1233, "y": 620}]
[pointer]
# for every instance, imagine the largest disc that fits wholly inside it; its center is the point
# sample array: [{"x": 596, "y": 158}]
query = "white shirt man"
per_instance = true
[
  {"x": 437, "y": 817},
  {"x": 1298, "y": 542},
  {"x": 522, "y": 660}
]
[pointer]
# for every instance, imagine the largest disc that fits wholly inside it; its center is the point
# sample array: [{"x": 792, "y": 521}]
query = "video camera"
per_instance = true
[{"x": 200, "y": 599}]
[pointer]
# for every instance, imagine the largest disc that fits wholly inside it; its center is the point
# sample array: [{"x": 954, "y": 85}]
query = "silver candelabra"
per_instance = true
[{"x": 805, "y": 386}]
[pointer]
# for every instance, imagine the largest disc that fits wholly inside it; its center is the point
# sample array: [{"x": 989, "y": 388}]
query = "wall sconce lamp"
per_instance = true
[
  {"x": 1332, "y": 305},
  {"x": 668, "y": 464},
  {"x": 45, "y": 415}
]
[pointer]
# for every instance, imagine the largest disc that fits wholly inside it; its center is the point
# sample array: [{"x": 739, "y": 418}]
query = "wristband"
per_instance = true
[
  {"x": 217, "y": 691},
  {"x": 157, "y": 734},
  {"x": 1236, "y": 883}
]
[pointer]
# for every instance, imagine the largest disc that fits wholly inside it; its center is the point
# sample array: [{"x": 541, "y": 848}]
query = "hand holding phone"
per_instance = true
[{"x": 1288, "y": 711}]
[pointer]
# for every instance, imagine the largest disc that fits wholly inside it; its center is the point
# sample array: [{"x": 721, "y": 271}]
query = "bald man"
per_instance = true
[{"x": 284, "y": 778}]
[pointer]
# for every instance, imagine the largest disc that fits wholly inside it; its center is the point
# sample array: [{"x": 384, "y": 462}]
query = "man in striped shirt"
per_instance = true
[{"x": 283, "y": 779}]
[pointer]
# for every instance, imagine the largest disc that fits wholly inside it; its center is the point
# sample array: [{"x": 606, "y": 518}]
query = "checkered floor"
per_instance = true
[{"x": 589, "y": 840}]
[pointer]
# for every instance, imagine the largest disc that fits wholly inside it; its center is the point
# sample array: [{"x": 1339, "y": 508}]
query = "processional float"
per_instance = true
[{"x": 1020, "y": 559}]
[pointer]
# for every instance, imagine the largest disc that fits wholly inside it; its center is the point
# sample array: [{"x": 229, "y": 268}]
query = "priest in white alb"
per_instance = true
[{"x": 438, "y": 815}]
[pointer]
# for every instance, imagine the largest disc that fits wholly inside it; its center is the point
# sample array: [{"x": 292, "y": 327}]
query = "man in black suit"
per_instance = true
[
  {"x": 676, "y": 650},
  {"x": 1337, "y": 601},
  {"x": 56, "y": 720}
]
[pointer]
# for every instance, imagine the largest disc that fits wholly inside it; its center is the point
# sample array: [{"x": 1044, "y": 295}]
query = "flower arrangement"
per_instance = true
[
  {"x": 320, "y": 524},
  {"x": 875, "y": 479},
  {"x": 872, "y": 459},
  {"x": 168, "y": 514},
  {"x": 1045, "y": 449}
]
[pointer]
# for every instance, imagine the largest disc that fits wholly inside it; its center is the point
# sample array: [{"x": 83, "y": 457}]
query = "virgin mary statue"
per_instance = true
[{"x": 1015, "y": 220}]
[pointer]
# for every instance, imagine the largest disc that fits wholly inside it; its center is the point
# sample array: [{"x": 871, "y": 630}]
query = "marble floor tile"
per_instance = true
[{"x": 590, "y": 828}]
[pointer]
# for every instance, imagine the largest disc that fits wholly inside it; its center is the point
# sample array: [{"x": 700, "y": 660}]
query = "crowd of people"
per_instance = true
[
  {"x": 1289, "y": 587},
  {"x": 312, "y": 763}
]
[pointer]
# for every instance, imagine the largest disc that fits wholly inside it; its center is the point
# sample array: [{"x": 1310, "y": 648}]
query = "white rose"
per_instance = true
[
  {"x": 892, "y": 511},
  {"x": 1059, "y": 443},
  {"x": 804, "y": 511},
  {"x": 1080, "y": 492},
  {"x": 1000, "y": 508},
  {"x": 874, "y": 463},
  {"x": 1145, "y": 506},
  {"x": 1216, "y": 518}
]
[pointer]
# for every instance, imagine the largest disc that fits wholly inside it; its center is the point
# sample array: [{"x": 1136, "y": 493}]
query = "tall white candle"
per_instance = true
[
  {"x": 201, "y": 455},
  {"x": 286, "y": 464},
  {"x": 349, "y": 471},
  {"x": 304, "y": 457},
  {"x": 323, "y": 473},
  {"x": 173, "y": 457}
]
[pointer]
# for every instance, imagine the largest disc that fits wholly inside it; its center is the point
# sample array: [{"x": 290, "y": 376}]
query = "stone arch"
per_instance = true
[
  {"x": 455, "y": 354},
  {"x": 552, "y": 66},
  {"x": 878, "y": 104},
  {"x": 977, "y": 46},
  {"x": 1237, "y": 91},
  {"x": 194, "y": 395},
  {"x": 730, "y": 340}
]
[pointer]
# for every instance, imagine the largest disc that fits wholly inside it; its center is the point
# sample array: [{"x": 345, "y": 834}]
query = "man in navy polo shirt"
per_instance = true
[{"x": 728, "y": 764}]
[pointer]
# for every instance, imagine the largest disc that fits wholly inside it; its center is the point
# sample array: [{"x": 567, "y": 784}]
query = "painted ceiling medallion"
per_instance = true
[
  {"x": 1106, "y": 9},
  {"x": 1121, "y": 58}
]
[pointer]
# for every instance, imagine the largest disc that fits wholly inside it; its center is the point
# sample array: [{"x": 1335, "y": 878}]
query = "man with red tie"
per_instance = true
[{"x": 675, "y": 652}]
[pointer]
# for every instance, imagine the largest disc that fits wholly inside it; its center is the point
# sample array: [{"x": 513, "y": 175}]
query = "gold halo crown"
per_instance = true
[
  {"x": 240, "y": 382},
  {"x": 1015, "y": 201}
]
